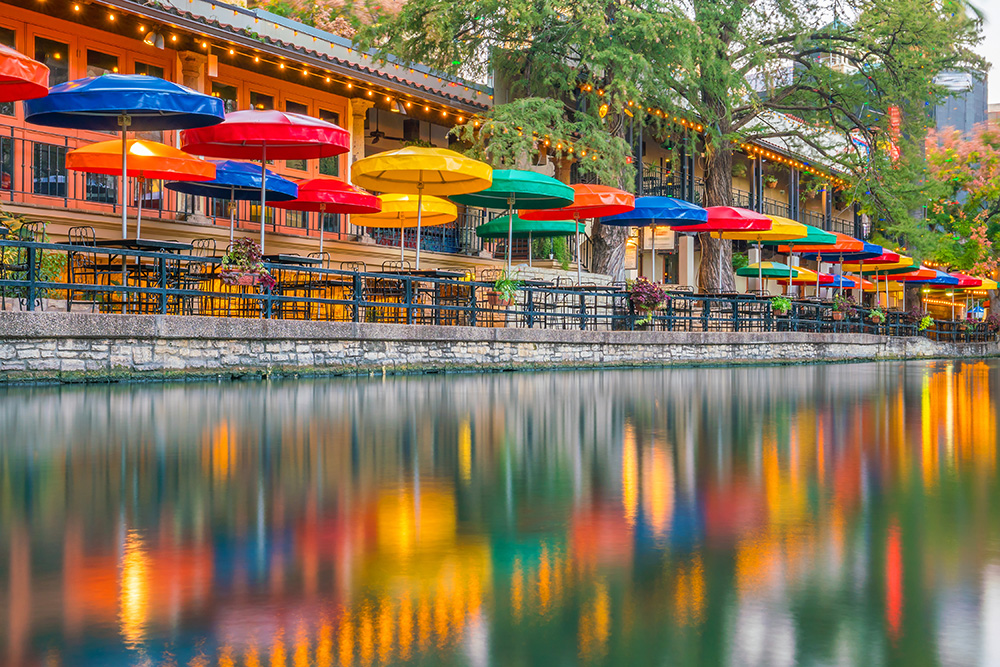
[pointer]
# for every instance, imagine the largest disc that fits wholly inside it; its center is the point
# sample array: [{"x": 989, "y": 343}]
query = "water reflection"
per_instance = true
[{"x": 818, "y": 514}]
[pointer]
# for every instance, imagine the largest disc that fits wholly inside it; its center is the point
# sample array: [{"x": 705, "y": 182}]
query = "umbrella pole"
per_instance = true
[
  {"x": 529, "y": 248},
  {"x": 322, "y": 214},
  {"x": 861, "y": 281},
  {"x": 652, "y": 252},
  {"x": 720, "y": 261},
  {"x": 819, "y": 262},
  {"x": 510, "y": 232},
  {"x": 263, "y": 191},
  {"x": 232, "y": 212},
  {"x": 138, "y": 215},
  {"x": 124, "y": 121},
  {"x": 576, "y": 229},
  {"x": 420, "y": 211},
  {"x": 402, "y": 236},
  {"x": 760, "y": 267}
]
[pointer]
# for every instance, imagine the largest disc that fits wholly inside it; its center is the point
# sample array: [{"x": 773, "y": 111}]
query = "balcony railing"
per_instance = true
[{"x": 119, "y": 280}]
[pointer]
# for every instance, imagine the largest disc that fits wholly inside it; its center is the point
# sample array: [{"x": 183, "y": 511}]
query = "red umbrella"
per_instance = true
[
  {"x": 264, "y": 135},
  {"x": 589, "y": 201},
  {"x": 21, "y": 78},
  {"x": 965, "y": 281},
  {"x": 731, "y": 219},
  {"x": 331, "y": 195}
]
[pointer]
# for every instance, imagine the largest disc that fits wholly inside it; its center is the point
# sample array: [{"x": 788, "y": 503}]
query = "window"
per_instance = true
[
  {"x": 101, "y": 188},
  {"x": 99, "y": 64},
  {"x": 228, "y": 95},
  {"x": 331, "y": 222},
  {"x": 148, "y": 70},
  {"x": 295, "y": 107},
  {"x": 6, "y": 163},
  {"x": 48, "y": 169},
  {"x": 330, "y": 166},
  {"x": 55, "y": 56},
  {"x": 255, "y": 213},
  {"x": 297, "y": 219},
  {"x": 261, "y": 101},
  {"x": 8, "y": 37}
]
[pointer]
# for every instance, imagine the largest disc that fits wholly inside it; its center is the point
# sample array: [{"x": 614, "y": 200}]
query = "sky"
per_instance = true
[{"x": 990, "y": 46}]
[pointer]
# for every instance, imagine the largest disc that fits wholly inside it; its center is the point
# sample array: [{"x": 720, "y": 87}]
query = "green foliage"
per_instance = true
[
  {"x": 507, "y": 285},
  {"x": 781, "y": 305},
  {"x": 50, "y": 266},
  {"x": 740, "y": 260},
  {"x": 926, "y": 322}
]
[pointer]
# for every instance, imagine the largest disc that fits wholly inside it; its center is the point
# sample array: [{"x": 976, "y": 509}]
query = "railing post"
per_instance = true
[
  {"x": 163, "y": 286},
  {"x": 583, "y": 310},
  {"x": 473, "y": 308},
  {"x": 356, "y": 298},
  {"x": 31, "y": 278},
  {"x": 408, "y": 298},
  {"x": 736, "y": 313},
  {"x": 529, "y": 307},
  {"x": 267, "y": 305}
]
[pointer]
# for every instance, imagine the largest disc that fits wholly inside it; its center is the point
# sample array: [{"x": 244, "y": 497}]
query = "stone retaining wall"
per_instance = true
[{"x": 73, "y": 347}]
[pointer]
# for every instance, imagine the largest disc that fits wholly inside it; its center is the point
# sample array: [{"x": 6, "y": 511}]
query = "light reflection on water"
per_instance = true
[{"x": 773, "y": 516}]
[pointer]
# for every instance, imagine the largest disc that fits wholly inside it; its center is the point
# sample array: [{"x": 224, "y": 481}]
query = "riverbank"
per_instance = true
[{"x": 76, "y": 347}]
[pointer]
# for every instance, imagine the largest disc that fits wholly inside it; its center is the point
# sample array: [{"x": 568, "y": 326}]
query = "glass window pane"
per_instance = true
[
  {"x": 261, "y": 101},
  {"x": 296, "y": 219},
  {"x": 149, "y": 70},
  {"x": 228, "y": 95},
  {"x": 6, "y": 163},
  {"x": 48, "y": 169},
  {"x": 55, "y": 56},
  {"x": 99, "y": 64},
  {"x": 101, "y": 188},
  {"x": 295, "y": 107},
  {"x": 8, "y": 38},
  {"x": 329, "y": 166}
]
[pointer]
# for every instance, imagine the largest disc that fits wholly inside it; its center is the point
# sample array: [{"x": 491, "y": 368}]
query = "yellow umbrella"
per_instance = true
[
  {"x": 782, "y": 229},
  {"x": 987, "y": 284},
  {"x": 418, "y": 171},
  {"x": 402, "y": 212}
]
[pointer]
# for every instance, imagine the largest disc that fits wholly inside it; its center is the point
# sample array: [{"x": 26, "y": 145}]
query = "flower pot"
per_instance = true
[
  {"x": 838, "y": 315},
  {"x": 781, "y": 313},
  {"x": 496, "y": 299},
  {"x": 248, "y": 279}
]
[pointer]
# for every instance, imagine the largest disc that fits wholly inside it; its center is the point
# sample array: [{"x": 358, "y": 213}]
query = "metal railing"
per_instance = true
[{"x": 114, "y": 280}]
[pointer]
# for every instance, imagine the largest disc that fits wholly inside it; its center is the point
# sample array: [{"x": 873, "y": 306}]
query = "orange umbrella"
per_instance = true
[
  {"x": 145, "y": 160},
  {"x": 589, "y": 201},
  {"x": 845, "y": 245}
]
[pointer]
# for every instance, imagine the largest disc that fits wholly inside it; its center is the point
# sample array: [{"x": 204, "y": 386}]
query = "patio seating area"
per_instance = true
[{"x": 175, "y": 278}]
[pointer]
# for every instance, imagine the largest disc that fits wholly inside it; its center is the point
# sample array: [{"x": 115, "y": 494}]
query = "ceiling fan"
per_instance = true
[{"x": 377, "y": 135}]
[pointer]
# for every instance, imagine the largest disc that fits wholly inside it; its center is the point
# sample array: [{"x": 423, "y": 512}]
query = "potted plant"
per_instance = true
[
  {"x": 243, "y": 264},
  {"x": 770, "y": 181},
  {"x": 926, "y": 322},
  {"x": 504, "y": 290},
  {"x": 645, "y": 297},
  {"x": 843, "y": 304},
  {"x": 739, "y": 169},
  {"x": 781, "y": 305},
  {"x": 992, "y": 322},
  {"x": 877, "y": 315}
]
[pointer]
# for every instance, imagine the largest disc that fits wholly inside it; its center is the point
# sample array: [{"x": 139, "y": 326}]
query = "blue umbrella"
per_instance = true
[
  {"x": 941, "y": 278},
  {"x": 238, "y": 181},
  {"x": 653, "y": 211},
  {"x": 123, "y": 102}
]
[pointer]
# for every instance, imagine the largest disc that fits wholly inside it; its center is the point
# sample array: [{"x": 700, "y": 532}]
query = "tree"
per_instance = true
[
  {"x": 583, "y": 73},
  {"x": 967, "y": 212}
]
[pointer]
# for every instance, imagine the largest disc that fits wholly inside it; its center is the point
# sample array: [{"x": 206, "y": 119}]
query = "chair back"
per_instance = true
[
  {"x": 397, "y": 265},
  {"x": 203, "y": 248},
  {"x": 82, "y": 236},
  {"x": 356, "y": 267}
]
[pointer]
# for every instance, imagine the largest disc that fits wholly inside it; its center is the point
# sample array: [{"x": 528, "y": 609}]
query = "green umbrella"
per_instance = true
[
  {"x": 767, "y": 270},
  {"x": 814, "y": 237},
  {"x": 524, "y": 229},
  {"x": 522, "y": 189}
]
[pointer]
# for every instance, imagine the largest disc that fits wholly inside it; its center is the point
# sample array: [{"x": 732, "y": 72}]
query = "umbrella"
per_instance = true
[
  {"x": 589, "y": 201},
  {"x": 21, "y": 78},
  {"x": 514, "y": 227},
  {"x": 264, "y": 135},
  {"x": 400, "y": 212},
  {"x": 147, "y": 160},
  {"x": 653, "y": 211},
  {"x": 729, "y": 219},
  {"x": 238, "y": 181},
  {"x": 814, "y": 238},
  {"x": 782, "y": 229},
  {"x": 763, "y": 270},
  {"x": 807, "y": 277},
  {"x": 417, "y": 171},
  {"x": 123, "y": 102},
  {"x": 887, "y": 260},
  {"x": 865, "y": 252},
  {"x": 331, "y": 195},
  {"x": 522, "y": 189}
]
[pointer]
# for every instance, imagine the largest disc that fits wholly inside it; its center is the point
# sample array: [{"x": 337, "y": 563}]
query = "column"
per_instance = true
[
  {"x": 827, "y": 207},
  {"x": 685, "y": 260},
  {"x": 359, "y": 111},
  {"x": 757, "y": 184},
  {"x": 754, "y": 256},
  {"x": 858, "y": 222},
  {"x": 192, "y": 73},
  {"x": 793, "y": 193}
]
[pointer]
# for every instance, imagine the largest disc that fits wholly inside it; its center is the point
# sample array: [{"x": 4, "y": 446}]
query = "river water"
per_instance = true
[{"x": 803, "y": 515}]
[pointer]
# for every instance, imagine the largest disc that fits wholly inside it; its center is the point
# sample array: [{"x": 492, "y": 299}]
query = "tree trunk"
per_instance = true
[
  {"x": 716, "y": 271},
  {"x": 607, "y": 243}
]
